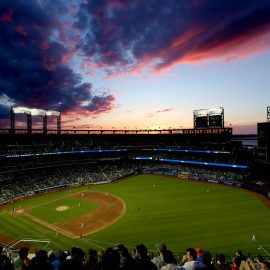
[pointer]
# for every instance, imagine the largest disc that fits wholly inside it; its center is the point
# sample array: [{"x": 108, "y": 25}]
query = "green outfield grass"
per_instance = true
[
  {"x": 76, "y": 208},
  {"x": 162, "y": 209}
]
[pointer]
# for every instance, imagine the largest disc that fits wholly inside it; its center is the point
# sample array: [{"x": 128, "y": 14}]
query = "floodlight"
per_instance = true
[
  {"x": 21, "y": 110},
  {"x": 50, "y": 112}
]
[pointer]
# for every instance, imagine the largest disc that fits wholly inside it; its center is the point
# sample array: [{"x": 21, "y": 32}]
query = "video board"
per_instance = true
[
  {"x": 215, "y": 121},
  {"x": 201, "y": 122},
  {"x": 209, "y": 118}
]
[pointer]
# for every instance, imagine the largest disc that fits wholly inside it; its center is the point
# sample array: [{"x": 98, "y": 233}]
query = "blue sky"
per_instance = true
[{"x": 135, "y": 64}]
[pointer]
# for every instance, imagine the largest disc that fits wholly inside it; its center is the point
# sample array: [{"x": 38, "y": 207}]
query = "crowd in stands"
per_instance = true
[
  {"x": 25, "y": 183},
  {"x": 45, "y": 178},
  {"x": 30, "y": 178},
  {"x": 120, "y": 258},
  {"x": 196, "y": 173}
]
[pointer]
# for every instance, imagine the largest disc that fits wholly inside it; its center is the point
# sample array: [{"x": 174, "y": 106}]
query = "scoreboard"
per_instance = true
[
  {"x": 209, "y": 118},
  {"x": 201, "y": 122},
  {"x": 215, "y": 121}
]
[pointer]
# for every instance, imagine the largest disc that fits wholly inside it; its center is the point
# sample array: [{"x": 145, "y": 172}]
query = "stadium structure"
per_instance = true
[
  {"x": 37, "y": 161},
  {"x": 208, "y": 145}
]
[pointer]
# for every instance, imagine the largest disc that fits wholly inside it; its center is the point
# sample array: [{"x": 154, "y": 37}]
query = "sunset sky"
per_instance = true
[{"x": 116, "y": 64}]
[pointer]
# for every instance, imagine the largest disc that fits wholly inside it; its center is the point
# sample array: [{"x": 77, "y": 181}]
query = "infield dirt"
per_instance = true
[{"x": 111, "y": 209}]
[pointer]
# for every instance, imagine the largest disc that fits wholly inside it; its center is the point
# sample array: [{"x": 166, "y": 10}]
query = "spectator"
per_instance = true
[
  {"x": 22, "y": 262},
  {"x": 109, "y": 260},
  {"x": 188, "y": 261},
  {"x": 199, "y": 257},
  {"x": 75, "y": 262},
  {"x": 41, "y": 262},
  {"x": 5, "y": 262},
  {"x": 169, "y": 261},
  {"x": 265, "y": 265},
  {"x": 236, "y": 263},
  {"x": 142, "y": 258},
  {"x": 100, "y": 257},
  {"x": 251, "y": 265},
  {"x": 207, "y": 260},
  {"x": 240, "y": 256},
  {"x": 61, "y": 257},
  {"x": 259, "y": 260},
  {"x": 159, "y": 260},
  {"x": 256, "y": 264},
  {"x": 91, "y": 259},
  {"x": 221, "y": 263},
  {"x": 127, "y": 262},
  {"x": 51, "y": 256}
]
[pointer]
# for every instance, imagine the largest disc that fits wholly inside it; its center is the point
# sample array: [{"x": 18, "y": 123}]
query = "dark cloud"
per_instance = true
[
  {"x": 38, "y": 37},
  {"x": 99, "y": 105},
  {"x": 33, "y": 56},
  {"x": 123, "y": 34}
]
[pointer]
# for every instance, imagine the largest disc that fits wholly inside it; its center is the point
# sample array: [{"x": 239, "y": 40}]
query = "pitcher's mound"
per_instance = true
[{"x": 62, "y": 208}]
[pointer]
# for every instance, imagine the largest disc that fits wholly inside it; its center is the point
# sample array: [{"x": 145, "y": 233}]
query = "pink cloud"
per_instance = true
[
  {"x": 89, "y": 74},
  {"x": 152, "y": 114},
  {"x": 88, "y": 63},
  {"x": 254, "y": 42}
]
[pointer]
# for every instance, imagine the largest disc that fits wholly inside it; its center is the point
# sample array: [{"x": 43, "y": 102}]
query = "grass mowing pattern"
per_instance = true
[
  {"x": 183, "y": 214},
  {"x": 164, "y": 209},
  {"x": 77, "y": 207}
]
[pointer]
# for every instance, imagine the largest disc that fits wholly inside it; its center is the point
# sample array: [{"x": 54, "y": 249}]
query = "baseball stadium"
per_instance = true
[{"x": 98, "y": 189}]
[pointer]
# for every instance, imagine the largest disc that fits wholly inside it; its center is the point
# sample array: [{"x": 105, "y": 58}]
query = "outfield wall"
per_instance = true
[{"x": 261, "y": 191}]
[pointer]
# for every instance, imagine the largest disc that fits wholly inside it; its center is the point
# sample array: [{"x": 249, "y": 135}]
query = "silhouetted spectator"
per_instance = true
[
  {"x": 127, "y": 262},
  {"x": 142, "y": 258},
  {"x": 22, "y": 262},
  {"x": 109, "y": 261},
  {"x": 236, "y": 263},
  {"x": 221, "y": 263},
  {"x": 51, "y": 256},
  {"x": 61, "y": 257},
  {"x": 207, "y": 260},
  {"x": 5, "y": 262},
  {"x": 91, "y": 259},
  {"x": 199, "y": 257},
  {"x": 240, "y": 256},
  {"x": 169, "y": 261},
  {"x": 41, "y": 262},
  {"x": 159, "y": 260},
  {"x": 75, "y": 262}
]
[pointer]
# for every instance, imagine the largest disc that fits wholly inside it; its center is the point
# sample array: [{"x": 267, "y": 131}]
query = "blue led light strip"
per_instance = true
[
  {"x": 67, "y": 152},
  {"x": 191, "y": 151},
  {"x": 204, "y": 163}
]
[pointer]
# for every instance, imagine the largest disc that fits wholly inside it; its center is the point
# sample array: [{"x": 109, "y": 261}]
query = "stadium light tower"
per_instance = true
[
  {"x": 268, "y": 114},
  {"x": 32, "y": 112},
  {"x": 42, "y": 113},
  {"x": 24, "y": 110},
  {"x": 12, "y": 121},
  {"x": 58, "y": 115}
]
